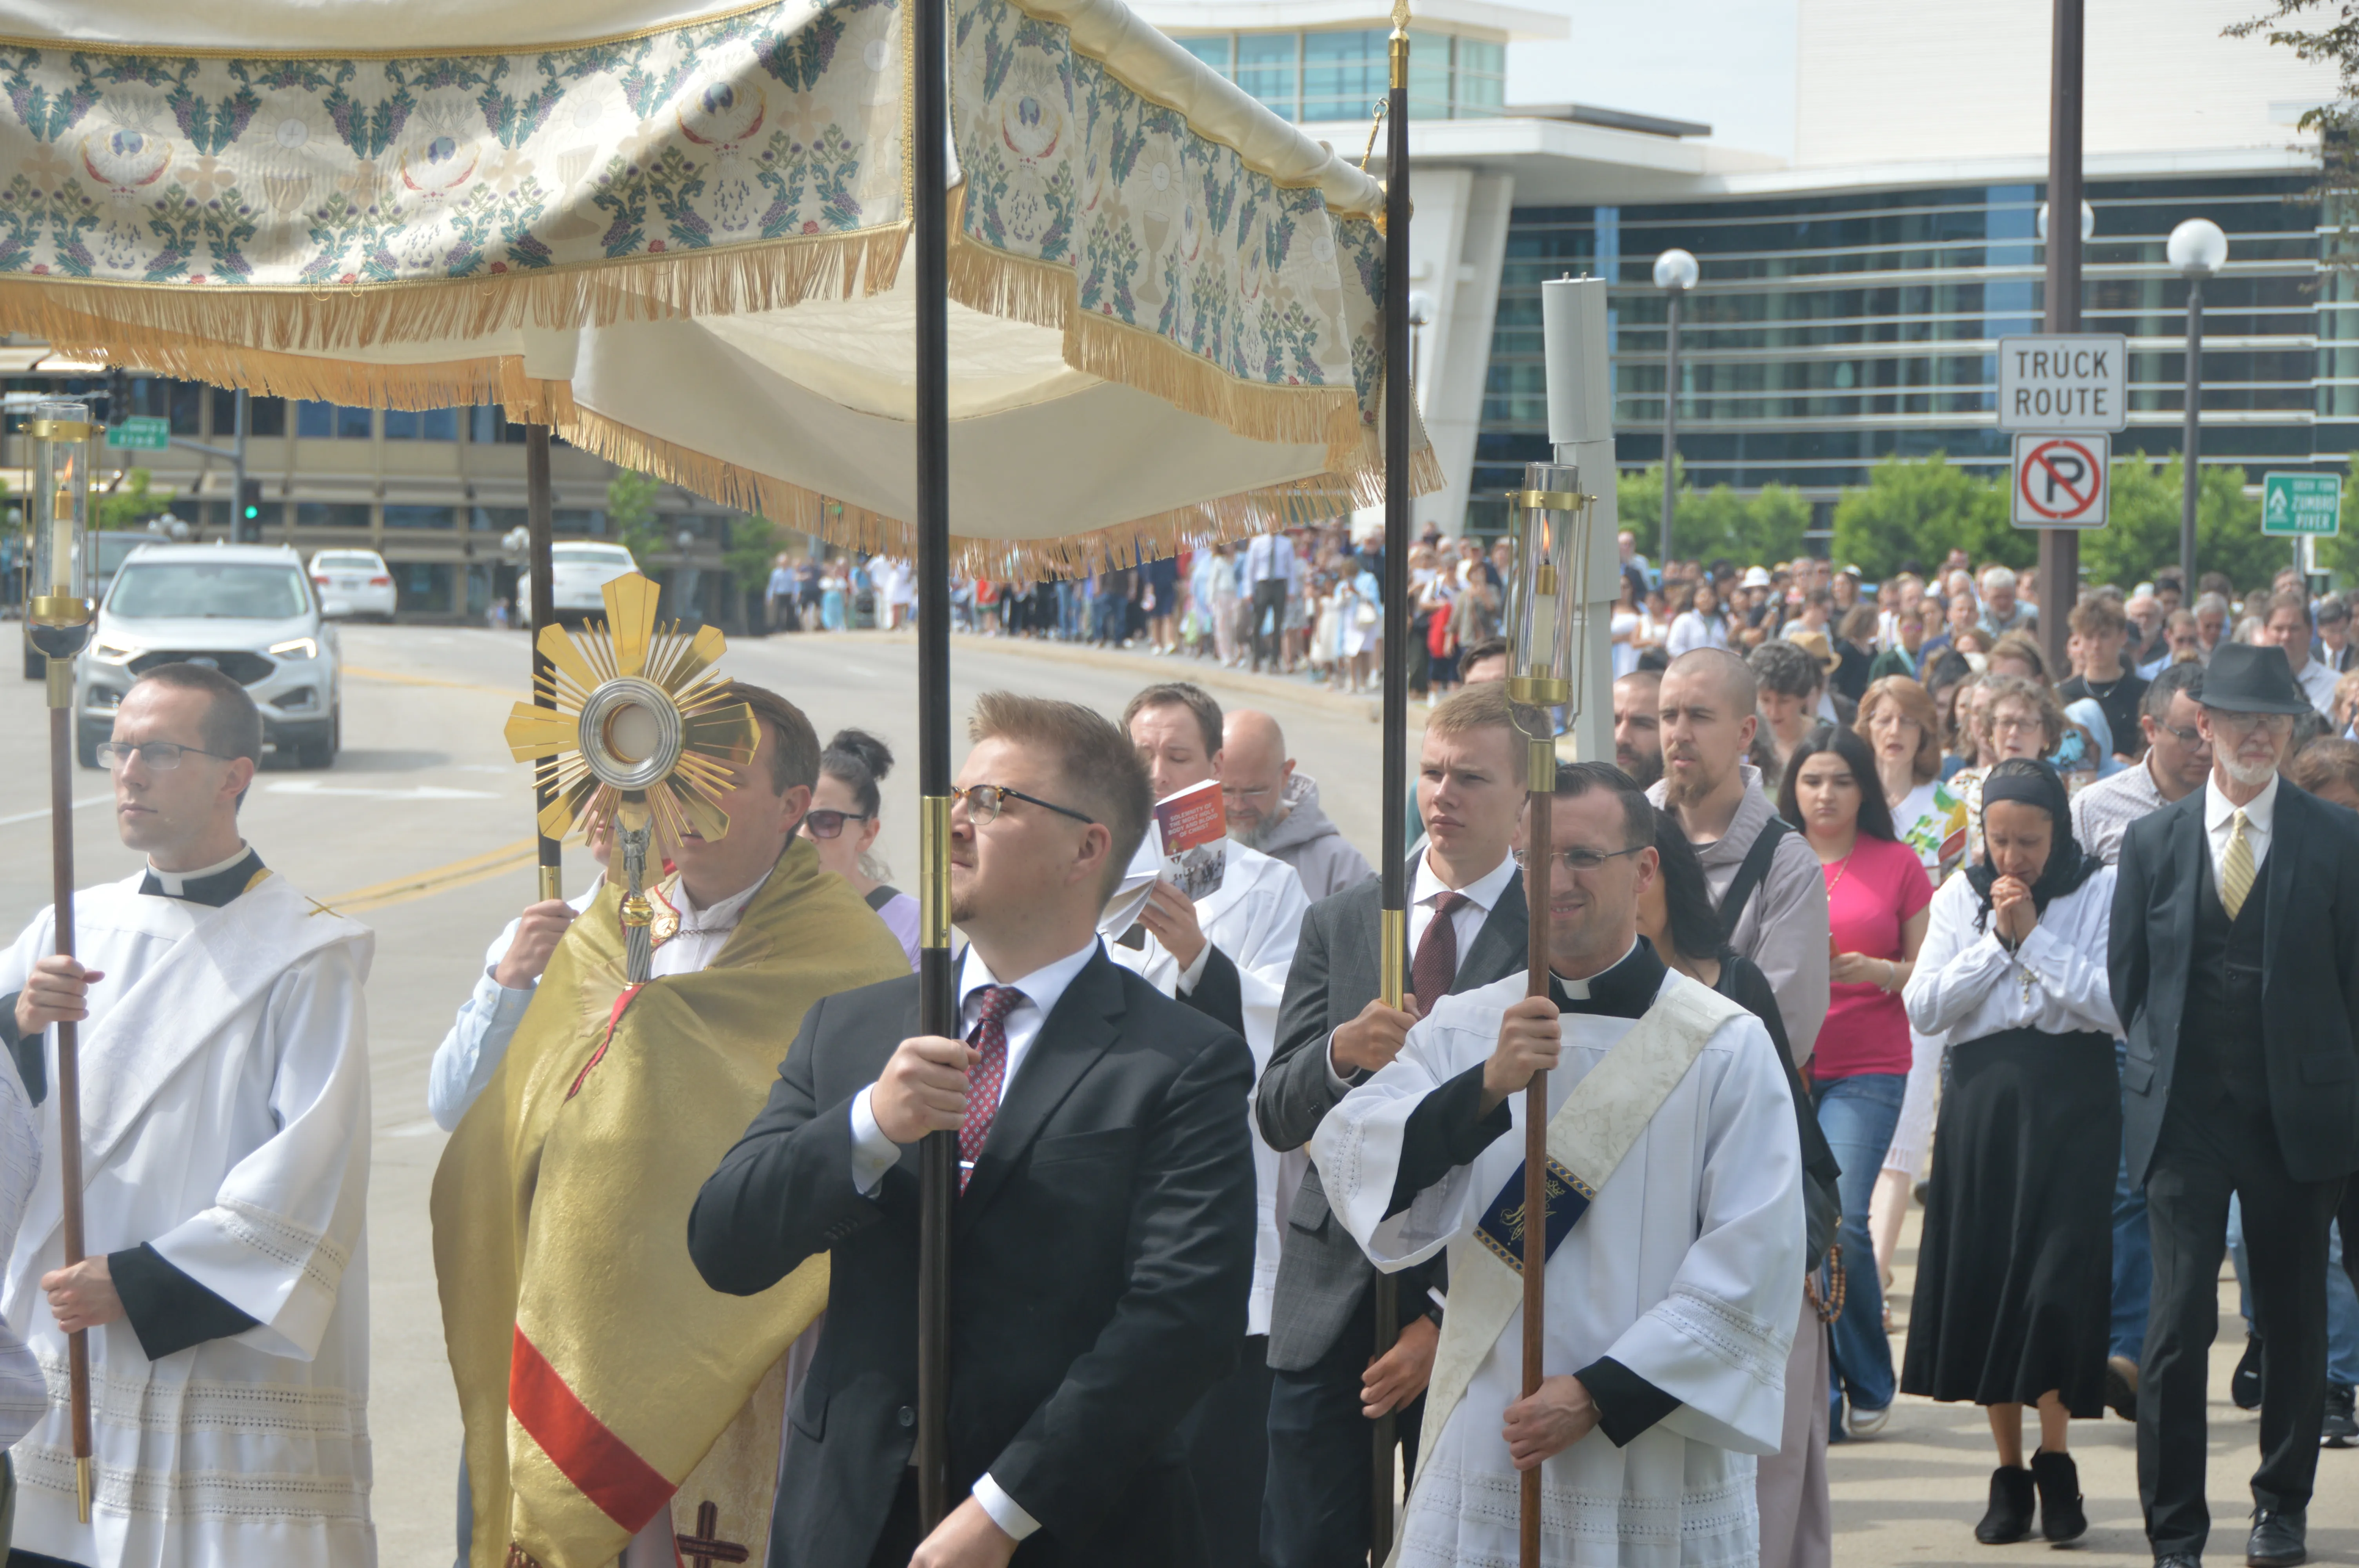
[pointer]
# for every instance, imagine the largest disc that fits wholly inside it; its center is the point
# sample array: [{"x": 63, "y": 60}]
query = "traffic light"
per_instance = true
[
  {"x": 249, "y": 509},
  {"x": 118, "y": 394}
]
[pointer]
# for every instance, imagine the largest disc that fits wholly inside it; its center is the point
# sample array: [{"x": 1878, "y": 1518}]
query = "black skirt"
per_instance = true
[{"x": 2013, "y": 1291}]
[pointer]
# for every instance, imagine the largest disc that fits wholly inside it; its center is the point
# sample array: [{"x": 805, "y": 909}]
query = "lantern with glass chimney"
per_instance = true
[
  {"x": 57, "y": 554},
  {"x": 1547, "y": 608}
]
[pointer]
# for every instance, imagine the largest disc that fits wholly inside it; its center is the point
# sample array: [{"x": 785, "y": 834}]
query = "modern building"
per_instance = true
[{"x": 1861, "y": 260}]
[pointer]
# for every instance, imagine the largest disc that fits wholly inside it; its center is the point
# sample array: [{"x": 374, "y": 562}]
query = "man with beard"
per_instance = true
[
  {"x": 1276, "y": 810},
  {"x": 1638, "y": 725}
]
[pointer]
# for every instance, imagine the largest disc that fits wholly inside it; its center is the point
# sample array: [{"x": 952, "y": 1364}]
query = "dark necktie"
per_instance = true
[
  {"x": 984, "y": 1079},
  {"x": 1435, "y": 967}
]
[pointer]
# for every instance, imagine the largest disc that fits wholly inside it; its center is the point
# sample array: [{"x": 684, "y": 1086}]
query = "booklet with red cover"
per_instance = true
[{"x": 1194, "y": 826}]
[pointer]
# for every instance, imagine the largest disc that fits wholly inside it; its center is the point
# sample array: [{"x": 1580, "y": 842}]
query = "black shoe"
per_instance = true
[
  {"x": 2122, "y": 1386},
  {"x": 2340, "y": 1429},
  {"x": 2061, "y": 1517},
  {"x": 2011, "y": 1501},
  {"x": 2279, "y": 1538},
  {"x": 2179, "y": 1560},
  {"x": 2245, "y": 1387}
]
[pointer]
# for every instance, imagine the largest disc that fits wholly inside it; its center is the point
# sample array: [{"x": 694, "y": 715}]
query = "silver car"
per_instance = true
[
  {"x": 246, "y": 609},
  {"x": 353, "y": 582}
]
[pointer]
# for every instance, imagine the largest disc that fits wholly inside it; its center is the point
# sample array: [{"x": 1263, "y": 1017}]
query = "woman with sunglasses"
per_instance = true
[{"x": 843, "y": 821}]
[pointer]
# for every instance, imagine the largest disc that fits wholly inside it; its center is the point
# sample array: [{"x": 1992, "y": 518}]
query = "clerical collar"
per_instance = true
[
  {"x": 212, "y": 886},
  {"x": 1626, "y": 991}
]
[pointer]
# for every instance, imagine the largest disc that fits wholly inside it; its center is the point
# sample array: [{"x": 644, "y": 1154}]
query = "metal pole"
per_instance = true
[
  {"x": 1670, "y": 423},
  {"x": 938, "y": 1012},
  {"x": 537, "y": 523},
  {"x": 237, "y": 528},
  {"x": 1393, "y": 923},
  {"x": 2189, "y": 441},
  {"x": 61, "y": 871},
  {"x": 2059, "y": 548},
  {"x": 1538, "y": 873}
]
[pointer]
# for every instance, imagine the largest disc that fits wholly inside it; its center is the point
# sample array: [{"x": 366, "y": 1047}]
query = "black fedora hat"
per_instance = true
[{"x": 2242, "y": 678}]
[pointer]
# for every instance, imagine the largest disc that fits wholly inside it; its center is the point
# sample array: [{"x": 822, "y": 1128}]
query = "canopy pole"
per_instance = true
[
  {"x": 61, "y": 870},
  {"x": 537, "y": 523},
  {"x": 1393, "y": 929},
  {"x": 937, "y": 1008},
  {"x": 1539, "y": 877}
]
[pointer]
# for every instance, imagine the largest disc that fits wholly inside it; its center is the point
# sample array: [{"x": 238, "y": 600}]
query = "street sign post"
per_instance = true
[
  {"x": 2062, "y": 382},
  {"x": 2060, "y": 480},
  {"x": 2302, "y": 506},
  {"x": 140, "y": 433}
]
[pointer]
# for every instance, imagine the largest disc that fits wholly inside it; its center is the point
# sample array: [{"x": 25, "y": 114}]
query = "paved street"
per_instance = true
[{"x": 421, "y": 831}]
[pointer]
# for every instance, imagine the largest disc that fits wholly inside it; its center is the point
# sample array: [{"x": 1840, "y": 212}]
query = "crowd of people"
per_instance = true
[{"x": 1872, "y": 907}]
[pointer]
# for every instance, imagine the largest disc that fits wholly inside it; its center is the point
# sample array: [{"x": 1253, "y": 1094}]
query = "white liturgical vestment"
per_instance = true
[
  {"x": 1684, "y": 1270},
  {"x": 226, "y": 1123}
]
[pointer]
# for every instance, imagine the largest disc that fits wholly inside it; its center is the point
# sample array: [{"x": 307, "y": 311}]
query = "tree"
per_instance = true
[
  {"x": 2341, "y": 553},
  {"x": 631, "y": 513},
  {"x": 2141, "y": 533},
  {"x": 754, "y": 543},
  {"x": 1919, "y": 511},
  {"x": 130, "y": 503},
  {"x": 2334, "y": 121},
  {"x": 1714, "y": 523}
]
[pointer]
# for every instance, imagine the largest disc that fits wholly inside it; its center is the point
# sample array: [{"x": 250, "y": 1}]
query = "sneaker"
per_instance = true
[
  {"x": 2339, "y": 1429},
  {"x": 2122, "y": 1386},
  {"x": 2244, "y": 1386},
  {"x": 1868, "y": 1422}
]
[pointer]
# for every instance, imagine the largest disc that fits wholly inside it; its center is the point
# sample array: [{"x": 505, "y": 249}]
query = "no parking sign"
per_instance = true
[{"x": 2059, "y": 481}]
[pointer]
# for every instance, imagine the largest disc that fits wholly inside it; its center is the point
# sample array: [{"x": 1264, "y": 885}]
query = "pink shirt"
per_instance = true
[{"x": 1870, "y": 895}]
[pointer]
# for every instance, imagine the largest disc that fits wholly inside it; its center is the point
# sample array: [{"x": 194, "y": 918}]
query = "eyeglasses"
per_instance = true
[
  {"x": 2245, "y": 723},
  {"x": 826, "y": 824},
  {"x": 2186, "y": 737},
  {"x": 2007, "y": 724},
  {"x": 1582, "y": 860},
  {"x": 984, "y": 803},
  {"x": 161, "y": 756},
  {"x": 1257, "y": 796}
]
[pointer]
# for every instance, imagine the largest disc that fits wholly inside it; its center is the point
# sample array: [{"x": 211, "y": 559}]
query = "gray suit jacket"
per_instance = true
[{"x": 1322, "y": 1273}]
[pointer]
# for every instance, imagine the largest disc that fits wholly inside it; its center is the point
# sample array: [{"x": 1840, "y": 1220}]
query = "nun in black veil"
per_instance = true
[{"x": 2015, "y": 1273}]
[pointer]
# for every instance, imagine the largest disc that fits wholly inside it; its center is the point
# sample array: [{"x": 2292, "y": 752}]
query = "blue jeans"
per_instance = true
[
  {"x": 2132, "y": 1254},
  {"x": 1858, "y": 1113},
  {"x": 2341, "y": 1301}
]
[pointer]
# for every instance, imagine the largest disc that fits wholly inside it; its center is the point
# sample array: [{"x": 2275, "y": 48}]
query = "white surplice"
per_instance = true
[
  {"x": 1685, "y": 1270},
  {"x": 226, "y": 1121},
  {"x": 1253, "y": 917}
]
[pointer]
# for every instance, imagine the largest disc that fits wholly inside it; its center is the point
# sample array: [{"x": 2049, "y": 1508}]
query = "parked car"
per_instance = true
[
  {"x": 114, "y": 548},
  {"x": 353, "y": 582},
  {"x": 579, "y": 572},
  {"x": 249, "y": 612}
]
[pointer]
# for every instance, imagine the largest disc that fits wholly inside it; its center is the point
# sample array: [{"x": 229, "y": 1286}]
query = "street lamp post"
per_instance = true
[
  {"x": 2198, "y": 249},
  {"x": 1675, "y": 273}
]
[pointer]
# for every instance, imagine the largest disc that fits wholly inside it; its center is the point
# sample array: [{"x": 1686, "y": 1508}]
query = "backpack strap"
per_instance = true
[{"x": 1750, "y": 874}]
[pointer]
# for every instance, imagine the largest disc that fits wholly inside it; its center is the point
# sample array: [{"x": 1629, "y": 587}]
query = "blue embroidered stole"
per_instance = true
[{"x": 1566, "y": 1199}]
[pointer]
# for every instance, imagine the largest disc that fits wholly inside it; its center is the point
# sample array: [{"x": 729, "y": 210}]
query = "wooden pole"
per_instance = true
[
  {"x": 1538, "y": 872},
  {"x": 1400, "y": 396},
  {"x": 938, "y": 1007},
  {"x": 538, "y": 565},
  {"x": 68, "y": 1084}
]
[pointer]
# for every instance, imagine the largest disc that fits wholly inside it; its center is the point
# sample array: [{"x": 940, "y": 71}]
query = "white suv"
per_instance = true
[{"x": 246, "y": 609}]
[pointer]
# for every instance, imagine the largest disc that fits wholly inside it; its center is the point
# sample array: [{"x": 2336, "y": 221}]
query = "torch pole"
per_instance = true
[
  {"x": 61, "y": 864},
  {"x": 1393, "y": 929},
  {"x": 1539, "y": 874},
  {"x": 938, "y": 1010},
  {"x": 537, "y": 523}
]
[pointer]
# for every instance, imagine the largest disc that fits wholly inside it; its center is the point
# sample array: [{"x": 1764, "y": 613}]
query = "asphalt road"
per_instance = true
[{"x": 422, "y": 831}]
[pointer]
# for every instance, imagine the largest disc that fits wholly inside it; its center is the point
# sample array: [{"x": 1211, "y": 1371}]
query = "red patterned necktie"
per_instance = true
[
  {"x": 1435, "y": 969},
  {"x": 984, "y": 1079}
]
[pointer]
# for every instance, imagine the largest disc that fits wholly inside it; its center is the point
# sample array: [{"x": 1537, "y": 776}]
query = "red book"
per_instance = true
[{"x": 1194, "y": 825}]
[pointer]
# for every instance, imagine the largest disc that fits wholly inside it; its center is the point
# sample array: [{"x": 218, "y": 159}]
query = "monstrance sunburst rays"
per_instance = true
[{"x": 639, "y": 734}]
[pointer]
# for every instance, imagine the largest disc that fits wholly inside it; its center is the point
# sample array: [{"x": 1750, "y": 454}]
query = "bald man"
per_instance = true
[{"x": 1276, "y": 810}]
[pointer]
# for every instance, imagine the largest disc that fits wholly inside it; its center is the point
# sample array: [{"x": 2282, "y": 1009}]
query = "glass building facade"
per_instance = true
[
  {"x": 1830, "y": 330},
  {"x": 1338, "y": 73}
]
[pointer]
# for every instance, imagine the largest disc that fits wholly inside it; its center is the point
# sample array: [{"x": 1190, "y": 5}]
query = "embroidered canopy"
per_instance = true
[{"x": 676, "y": 234}]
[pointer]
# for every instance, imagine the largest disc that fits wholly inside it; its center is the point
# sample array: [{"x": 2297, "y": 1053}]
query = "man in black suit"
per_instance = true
[
  {"x": 1103, "y": 1239},
  {"x": 2235, "y": 969},
  {"x": 1467, "y": 927}
]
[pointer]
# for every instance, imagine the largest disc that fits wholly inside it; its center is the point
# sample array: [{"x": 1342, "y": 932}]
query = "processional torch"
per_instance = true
[
  {"x": 1552, "y": 629},
  {"x": 57, "y": 619}
]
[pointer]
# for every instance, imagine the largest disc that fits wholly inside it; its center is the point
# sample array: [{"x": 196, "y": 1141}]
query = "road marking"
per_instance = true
[
  {"x": 42, "y": 814},
  {"x": 441, "y": 878},
  {"x": 356, "y": 792},
  {"x": 392, "y": 677}
]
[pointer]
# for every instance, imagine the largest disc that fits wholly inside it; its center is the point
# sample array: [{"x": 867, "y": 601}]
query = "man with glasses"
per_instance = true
[
  {"x": 1104, "y": 1222},
  {"x": 1276, "y": 810},
  {"x": 1670, "y": 1274},
  {"x": 1226, "y": 955},
  {"x": 2236, "y": 971},
  {"x": 225, "y": 1126}
]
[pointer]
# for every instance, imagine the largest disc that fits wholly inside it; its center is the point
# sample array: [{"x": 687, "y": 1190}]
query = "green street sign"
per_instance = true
[
  {"x": 2296, "y": 504},
  {"x": 140, "y": 433}
]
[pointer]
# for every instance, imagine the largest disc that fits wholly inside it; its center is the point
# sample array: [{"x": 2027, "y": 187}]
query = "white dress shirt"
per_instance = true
[
  {"x": 2317, "y": 682},
  {"x": 478, "y": 1039},
  {"x": 703, "y": 932},
  {"x": 1967, "y": 986},
  {"x": 873, "y": 1153},
  {"x": 1465, "y": 922},
  {"x": 2219, "y": 820}
]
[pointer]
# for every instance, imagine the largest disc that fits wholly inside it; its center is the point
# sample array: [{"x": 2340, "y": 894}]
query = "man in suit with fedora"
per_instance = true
[
  {"x": 1103, "y": 1241},
  {"x": 1467, "y": 926},
  {"x": 2235, "y": 969}
]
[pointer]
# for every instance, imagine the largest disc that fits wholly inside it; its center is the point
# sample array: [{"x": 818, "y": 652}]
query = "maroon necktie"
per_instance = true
[
  {"x": 1435, "y": 967},
  {"x": 984, "y": 1079}
]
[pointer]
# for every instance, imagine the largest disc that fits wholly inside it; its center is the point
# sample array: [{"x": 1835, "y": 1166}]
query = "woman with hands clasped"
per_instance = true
[{"x": 2015, "y": 1279}]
